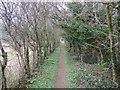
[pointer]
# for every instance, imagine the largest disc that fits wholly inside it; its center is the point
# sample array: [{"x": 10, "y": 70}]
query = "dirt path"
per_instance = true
[{"x": 61, "y": 74}]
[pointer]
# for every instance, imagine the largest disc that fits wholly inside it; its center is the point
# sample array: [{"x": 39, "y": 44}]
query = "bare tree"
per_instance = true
[{"x": 3, "y": 64}]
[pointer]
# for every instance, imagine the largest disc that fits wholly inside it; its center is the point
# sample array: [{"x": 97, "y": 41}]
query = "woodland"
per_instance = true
[{"x": 59, "y": 45}]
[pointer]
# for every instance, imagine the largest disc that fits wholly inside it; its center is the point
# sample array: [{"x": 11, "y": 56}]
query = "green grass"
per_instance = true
[
  {"x": 71, "y": 70},
  {"x": 48, "y": 73},
  {"x": 81, "y": 75}
]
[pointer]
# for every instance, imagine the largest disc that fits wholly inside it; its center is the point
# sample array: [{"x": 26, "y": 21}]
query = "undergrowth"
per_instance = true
[
  {"x": 93, "y": 76},
  {"x": 71, "y": 70},
  {"x": 81, "y": 75},
  {"x": 46, "y": 80}
]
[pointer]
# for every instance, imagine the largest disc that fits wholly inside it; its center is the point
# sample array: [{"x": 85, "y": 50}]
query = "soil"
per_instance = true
[{"x": 60, "y": 81}]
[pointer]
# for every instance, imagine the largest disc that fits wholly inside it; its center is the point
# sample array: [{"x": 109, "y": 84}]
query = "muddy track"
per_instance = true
[{"x": 60, "y": 81}]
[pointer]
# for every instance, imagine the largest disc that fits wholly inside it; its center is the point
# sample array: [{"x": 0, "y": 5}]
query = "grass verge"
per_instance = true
[
  {"x": 71, "y": 70},
  {"x": 46, "y": 80}
]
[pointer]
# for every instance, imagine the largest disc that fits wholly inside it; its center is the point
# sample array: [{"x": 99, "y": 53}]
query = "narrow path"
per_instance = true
[{"x": 60, "y": 74}]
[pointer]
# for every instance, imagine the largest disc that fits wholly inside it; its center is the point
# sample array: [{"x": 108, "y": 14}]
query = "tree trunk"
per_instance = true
[
  {"x": 21, "y": 70},
  {"x": 109, "y": 17},
  {"x": 3, "y": 66},
  {"x": 118, "y": 47},
  {"x": 50, "y": 47},
  {"x": 34, "y": 60},
  {"x": 27, "y": 63},
  {"x": 4, "y": 85}
]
